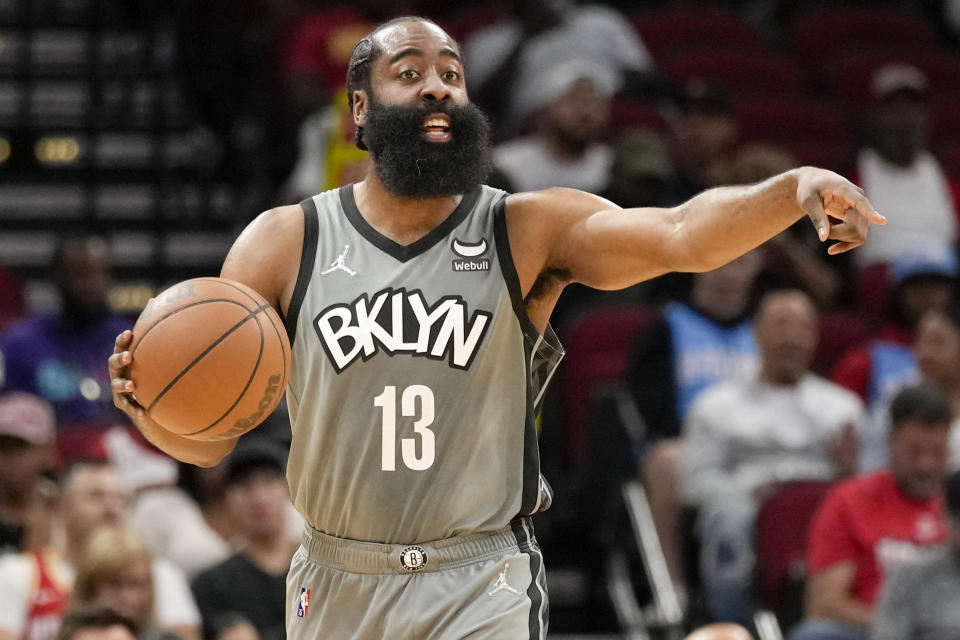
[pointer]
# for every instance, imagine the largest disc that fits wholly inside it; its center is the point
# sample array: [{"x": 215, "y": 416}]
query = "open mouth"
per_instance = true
[{"x": 436, "y": 128}]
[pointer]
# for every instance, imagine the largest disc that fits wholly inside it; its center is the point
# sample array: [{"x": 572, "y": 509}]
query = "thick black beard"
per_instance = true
[{"x": 412, "y": 168}]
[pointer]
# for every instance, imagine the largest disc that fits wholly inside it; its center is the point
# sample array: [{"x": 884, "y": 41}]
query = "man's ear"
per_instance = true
[{"x": 360, "y": 107}]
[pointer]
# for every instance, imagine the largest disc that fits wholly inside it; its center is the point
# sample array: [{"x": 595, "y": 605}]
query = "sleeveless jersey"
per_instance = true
[{"x": 415, "y": 377}]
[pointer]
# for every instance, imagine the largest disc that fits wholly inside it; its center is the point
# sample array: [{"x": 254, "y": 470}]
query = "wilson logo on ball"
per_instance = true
[
  {"x": 265, "y": 403},
  {"x": 171, "y": 295}
]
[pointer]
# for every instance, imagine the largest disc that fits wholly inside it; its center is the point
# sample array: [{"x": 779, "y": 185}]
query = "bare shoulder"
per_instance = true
[
  {"x": 266, "y": 254},
  {"x": 538, "y": 220},
  {"x": 285, "y": 220},
  {"x": 559, "y": 201},
  {"x": 539, "y": 224}
]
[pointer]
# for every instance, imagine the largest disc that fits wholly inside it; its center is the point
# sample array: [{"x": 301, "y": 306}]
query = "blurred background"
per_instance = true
[{"x": 137, "y": 138}]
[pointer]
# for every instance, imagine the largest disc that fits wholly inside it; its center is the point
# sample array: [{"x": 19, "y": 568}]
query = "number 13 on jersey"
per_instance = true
[{"x": 423, "y": 414}]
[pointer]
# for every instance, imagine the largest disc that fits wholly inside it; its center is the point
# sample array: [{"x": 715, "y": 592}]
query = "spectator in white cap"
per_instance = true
[
  {"x": 509, "y": 60},
  {"x": 27, "y": 434},
  {"x": 572, "y": 108},
  {"x": 898, "y": 172}
]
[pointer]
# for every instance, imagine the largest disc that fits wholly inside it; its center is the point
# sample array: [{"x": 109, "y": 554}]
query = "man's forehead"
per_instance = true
[
  {"x": 414, "y": 34},
  {"x": 94, "y": 479}
]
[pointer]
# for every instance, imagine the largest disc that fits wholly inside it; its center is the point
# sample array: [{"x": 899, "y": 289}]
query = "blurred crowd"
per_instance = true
[{"x": 790, "y": 386}]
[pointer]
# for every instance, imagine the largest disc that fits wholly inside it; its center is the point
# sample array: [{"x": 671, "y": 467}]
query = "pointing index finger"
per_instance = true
[
  {"x": 868, "y": 212},
  {"x": 858, "y": 201}
]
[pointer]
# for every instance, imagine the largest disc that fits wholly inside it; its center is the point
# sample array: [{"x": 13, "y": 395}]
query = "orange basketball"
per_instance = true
[{"x": 211, "y": 359}]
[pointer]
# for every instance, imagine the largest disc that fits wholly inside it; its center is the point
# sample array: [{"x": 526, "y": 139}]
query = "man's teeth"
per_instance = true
[{"x": 436, "y": 122}]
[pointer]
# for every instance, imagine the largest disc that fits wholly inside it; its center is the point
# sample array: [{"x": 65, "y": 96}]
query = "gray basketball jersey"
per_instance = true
[{"x": 415, "y": 377}]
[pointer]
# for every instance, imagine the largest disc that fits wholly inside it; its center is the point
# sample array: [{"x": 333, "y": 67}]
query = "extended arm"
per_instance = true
[
  {"x": 580, "y": 237},
  {"x": 830, "y": 595},
  {"x": 611, "y": 248}
]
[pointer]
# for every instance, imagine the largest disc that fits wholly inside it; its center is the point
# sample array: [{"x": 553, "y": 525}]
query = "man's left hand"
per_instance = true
[{"x": 824, "y": 195}]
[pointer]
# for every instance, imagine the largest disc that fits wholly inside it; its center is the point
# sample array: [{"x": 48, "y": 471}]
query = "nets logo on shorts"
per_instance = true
[
  {"x": 304, "y": 602},
  {"x": 413, "y": 558}
]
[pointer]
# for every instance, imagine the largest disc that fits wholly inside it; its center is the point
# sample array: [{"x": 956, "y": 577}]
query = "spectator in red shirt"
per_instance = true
[{"x": 872, "y": 523}]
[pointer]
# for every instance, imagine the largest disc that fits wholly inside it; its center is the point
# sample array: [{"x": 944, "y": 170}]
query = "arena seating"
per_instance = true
[
  {"x": 824, "y": 34},
  {"x": 694, "y": 29},
  {"x": 598, "y": 346},
  {"x": 815, "y": 131},
  {"x": 782, "y": 529}
]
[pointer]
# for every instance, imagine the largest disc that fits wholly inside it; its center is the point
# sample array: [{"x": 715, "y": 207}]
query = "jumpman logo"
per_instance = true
[
  {"x": 501, "y": 583},
  {"x": 340, "y": 263}
]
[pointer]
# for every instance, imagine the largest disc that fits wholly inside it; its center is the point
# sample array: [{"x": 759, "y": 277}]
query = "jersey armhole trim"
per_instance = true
[
  {"x": 509, "y": 269},
  {"x": 308, "y": 256}
]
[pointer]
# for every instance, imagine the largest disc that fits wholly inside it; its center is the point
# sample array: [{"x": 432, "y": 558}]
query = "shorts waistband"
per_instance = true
[{"x": 374, "y": 557}]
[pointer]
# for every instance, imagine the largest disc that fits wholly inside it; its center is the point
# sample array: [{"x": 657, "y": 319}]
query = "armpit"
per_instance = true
[{"x": 547, "y": 285}]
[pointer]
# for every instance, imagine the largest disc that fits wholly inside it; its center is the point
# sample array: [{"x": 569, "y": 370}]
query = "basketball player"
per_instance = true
[{"x": 417, "y": 303}]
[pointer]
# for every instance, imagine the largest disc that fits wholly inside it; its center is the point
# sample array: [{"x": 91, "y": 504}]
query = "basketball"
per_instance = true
[{"x": 211, "y": 359}]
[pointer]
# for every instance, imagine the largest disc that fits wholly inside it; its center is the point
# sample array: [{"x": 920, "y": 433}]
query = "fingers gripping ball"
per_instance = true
[{"x": 211, "y": 359}]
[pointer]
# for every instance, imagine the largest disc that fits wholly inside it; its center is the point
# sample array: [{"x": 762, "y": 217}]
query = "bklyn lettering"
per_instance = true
[{"x": 400, "y": 321}]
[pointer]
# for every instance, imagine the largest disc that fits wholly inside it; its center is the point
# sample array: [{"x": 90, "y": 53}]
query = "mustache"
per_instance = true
[
  {"x": 407, "y": 113},
  {"x": 410, "y": 165},
  {"x": 401, "y": 115}
]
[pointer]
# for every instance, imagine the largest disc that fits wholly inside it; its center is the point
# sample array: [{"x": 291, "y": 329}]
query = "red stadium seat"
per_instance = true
[
  {"x": 783, "y": 119},
  {"x": 782, "y": 529},
  {"x": 822, "y": 153},
  {"x": 821, "y": 35},
  {"x": 949, "y": 156},
  {"x": 743, "y": 74},
  {"x": 666, "y": 33},
  {"x": 838, "y": 333},
  {"x": 12, "y": 306},
  {"x": 598, "y": 346},
  {"x": 473, "y": 19},
  {"x": 946, "y": 120},
  {"x": 850, "y": 77},
  {"x": 795, "y": 123},
  {"x": 626, "y": 113},
  {"x": 873, "y": 291}
]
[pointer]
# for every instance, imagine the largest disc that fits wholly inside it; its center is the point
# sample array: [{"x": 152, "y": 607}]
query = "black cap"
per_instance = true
[
  {"x": 253, "y": 453},
  {"x": 952, "y": 499}
]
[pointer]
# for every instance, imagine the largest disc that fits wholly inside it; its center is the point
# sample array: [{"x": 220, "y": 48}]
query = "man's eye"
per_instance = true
[
  {"x": 452, "y": 75},
  {"x": 408, "y": 74}
]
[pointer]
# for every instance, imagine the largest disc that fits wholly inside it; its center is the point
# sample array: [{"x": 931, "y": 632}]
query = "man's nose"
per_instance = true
[{"x": 434, "y": 88}]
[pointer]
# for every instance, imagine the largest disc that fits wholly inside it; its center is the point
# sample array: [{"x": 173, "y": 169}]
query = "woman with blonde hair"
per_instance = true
[{"x": 116, "y": 570}]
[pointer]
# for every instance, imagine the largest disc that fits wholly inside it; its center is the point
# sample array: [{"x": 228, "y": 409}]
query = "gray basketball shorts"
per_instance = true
[{"x": 485, "y": 586}]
